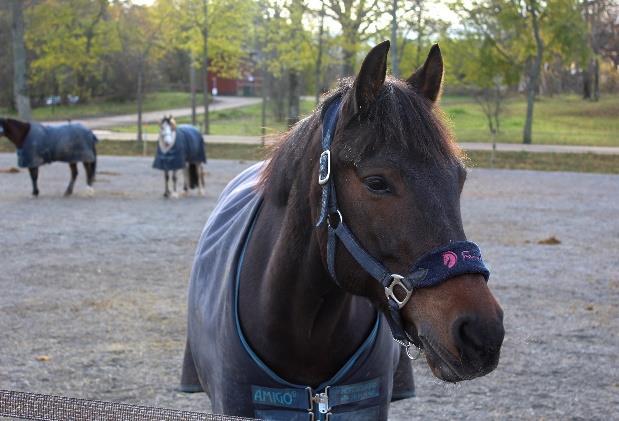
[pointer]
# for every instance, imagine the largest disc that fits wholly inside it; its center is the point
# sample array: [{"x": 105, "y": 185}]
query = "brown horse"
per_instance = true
[
  {"x": 295, "y": 307},
  {"x": 38, "y": 144}
]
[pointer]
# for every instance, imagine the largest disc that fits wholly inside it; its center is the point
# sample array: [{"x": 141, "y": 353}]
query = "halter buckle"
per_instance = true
[
  {"x": 396, "y": 280},
  {"x": 324, "y": 164}
]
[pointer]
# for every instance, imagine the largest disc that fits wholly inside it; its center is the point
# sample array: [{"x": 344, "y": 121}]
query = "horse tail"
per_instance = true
[
  {"x": 193, "y": 175},
  {"x": 94, "y": 163}
]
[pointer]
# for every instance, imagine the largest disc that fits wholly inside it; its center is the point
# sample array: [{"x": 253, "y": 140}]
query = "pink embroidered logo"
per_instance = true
[{"x": 450, "y": 259}]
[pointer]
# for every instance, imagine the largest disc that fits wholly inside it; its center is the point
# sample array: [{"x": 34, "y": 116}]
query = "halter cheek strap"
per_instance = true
[{"x": 442, "y": 263}]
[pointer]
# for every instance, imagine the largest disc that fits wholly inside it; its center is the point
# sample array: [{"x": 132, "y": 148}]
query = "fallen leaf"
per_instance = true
[
  {"x": 551, "y": 241},
  {"x": 43, "y": 358}
]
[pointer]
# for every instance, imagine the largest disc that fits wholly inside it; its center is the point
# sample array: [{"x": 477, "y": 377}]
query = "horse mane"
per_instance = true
[{"x": 400, "y": 118}]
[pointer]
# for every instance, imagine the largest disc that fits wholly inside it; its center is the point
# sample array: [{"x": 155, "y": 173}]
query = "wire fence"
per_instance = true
[{"x": 33, "y": 406}]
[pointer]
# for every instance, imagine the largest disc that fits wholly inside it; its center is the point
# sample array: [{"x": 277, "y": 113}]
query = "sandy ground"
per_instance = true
[{"x": 93, "y": 290}]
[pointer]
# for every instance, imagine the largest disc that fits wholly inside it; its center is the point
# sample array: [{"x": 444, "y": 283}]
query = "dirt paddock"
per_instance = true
[{"x": 93, "y": 290}]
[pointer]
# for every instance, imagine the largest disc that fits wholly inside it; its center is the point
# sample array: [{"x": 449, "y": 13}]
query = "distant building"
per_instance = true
[{"x": 249, "y": 82}]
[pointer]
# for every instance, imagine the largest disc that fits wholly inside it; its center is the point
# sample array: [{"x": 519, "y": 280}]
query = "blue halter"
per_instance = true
[{"x": 442, "y": 263}]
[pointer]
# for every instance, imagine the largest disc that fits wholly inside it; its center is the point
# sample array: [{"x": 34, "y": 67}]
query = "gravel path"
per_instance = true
[
  {"x": 221, "y": 103},
  {"x": 92, "y": 290}
]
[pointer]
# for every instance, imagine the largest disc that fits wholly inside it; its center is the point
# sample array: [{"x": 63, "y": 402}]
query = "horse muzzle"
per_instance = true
[{"x": 460, "y": 325}]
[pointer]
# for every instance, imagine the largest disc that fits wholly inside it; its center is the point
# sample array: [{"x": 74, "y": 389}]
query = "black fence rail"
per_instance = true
[{"x": 33, "y": 406}]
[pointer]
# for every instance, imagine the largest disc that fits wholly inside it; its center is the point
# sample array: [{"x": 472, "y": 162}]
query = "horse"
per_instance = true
[
  {"x": 38, "y": 144},
  {"x": 302, "y": 301},
  {"x": 178, "y": 146}
]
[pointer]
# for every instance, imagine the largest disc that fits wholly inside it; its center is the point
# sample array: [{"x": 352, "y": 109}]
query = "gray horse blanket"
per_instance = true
[
  {"x": 188, "y": 147},
  {"x": 237, "y": 380},
  {"x": 66, "y": 143}
]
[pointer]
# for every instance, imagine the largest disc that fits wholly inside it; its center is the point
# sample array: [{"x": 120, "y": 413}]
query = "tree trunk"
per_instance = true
[
  {"x": 596, "y": 80},
  {"x": 205, "y": 67},
  {"x": 319, "y": 58},
  {"x": 395, "y": 65},
  {"x": 192, "y": 87},
  {"x": 20, "y": 87},
  {"x": 348, "y": 67},
  {"x": 419, "y": 29},
  {"x": 293, "y": 98},
  {"x": 586, "y": 84},
  {"x": 534, "y": 73},
  {"x": 263, "y": 125},
  {"x": 140, "y": 98}
]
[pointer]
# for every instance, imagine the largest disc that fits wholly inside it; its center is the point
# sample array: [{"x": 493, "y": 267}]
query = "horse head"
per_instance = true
[
  {"x": 399, "y": 176},
  {"x": 15, "y": 130},
  {"x": 167, "y": 133}
]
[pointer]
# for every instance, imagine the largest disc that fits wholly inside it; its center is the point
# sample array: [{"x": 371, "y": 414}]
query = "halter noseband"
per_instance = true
[{"x": 442, "y": 263}]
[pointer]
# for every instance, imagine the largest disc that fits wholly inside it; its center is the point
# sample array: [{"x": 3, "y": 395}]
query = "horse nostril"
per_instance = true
[{"x": 478, "y": 340}]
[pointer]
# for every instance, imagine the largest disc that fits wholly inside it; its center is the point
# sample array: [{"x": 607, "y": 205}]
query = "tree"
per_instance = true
[
  {"x": 411, "y": 27},
  {"x": 318, "y": 72},
  {"x": 528, "y": 31},
  {"x": 602, "y": 20},
  {"x": 534, "y": 68},
  {"x": 357, "y": 20},
  {"x": 68, "y": 40},
  {"x": 20, "y": 87},
  {"x": 216, "y": 32},
  {"x": 141, "y": 38},
  {"x": 6, "y": 58},
  {"x": 287, "y": 52}
]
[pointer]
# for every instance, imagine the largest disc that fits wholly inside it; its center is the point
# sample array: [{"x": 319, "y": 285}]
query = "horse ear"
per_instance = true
[
  {"x": 428, "y": 78},
  {"x": 370, "y": 79}
]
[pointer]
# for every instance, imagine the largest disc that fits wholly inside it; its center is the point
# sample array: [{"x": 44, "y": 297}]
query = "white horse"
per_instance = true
[{"x": 180, "y": 147}]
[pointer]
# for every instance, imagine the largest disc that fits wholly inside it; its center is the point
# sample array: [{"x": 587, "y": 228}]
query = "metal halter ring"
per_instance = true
[
  {"x": 396, "y": 280},
  {"x": 339, "y": 214},
  {"x": 407, "y": 347}
]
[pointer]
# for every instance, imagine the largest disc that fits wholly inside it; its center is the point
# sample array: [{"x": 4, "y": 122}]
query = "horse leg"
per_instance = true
[
  {"x": 190, "y": 383},
  {"x": 34, "y": 175},
  {"x": 167, "y": 178},
  {"x": 174, "y": 193},
  {"x": 69, "y": 190},
  {"x": 201, "y": 179},
  {"x": 186, "y": 179},
  {"x": 89, "y": 167}
]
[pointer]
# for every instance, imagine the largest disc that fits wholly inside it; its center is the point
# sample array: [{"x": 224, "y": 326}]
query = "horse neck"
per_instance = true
[{"x": 289, "y": 304}]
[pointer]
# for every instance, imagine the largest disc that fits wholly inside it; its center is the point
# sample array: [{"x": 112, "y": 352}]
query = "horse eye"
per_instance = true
[{"x": 376, "y": 184}]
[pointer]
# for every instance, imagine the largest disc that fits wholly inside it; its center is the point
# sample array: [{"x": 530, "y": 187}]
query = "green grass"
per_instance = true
[
  {"x": 590, "y": 163},
  {"x": 153, "y": 102},
  {"x": 242, "y": 121},
  {"x": 561, "y": 120}
]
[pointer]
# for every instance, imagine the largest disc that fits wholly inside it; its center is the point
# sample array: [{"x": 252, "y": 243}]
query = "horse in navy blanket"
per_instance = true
[
  {"x": 38, "y": 144},
  {"x": 180, "y": 148}
]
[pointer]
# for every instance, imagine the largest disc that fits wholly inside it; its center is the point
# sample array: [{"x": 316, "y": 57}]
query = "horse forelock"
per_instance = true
[{"x": 399, "y": 120}]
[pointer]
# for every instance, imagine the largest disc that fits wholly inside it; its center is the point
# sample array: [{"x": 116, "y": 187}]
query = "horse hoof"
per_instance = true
[
  {"x": 202, "y": 192},
  {"x": 68, "y": 193},
  {"x": 174, "y": 195},
  {"x": 35, "y": 194},
  {"x": 90, "y": 192},
  {"x": 166, "y": 195}
]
